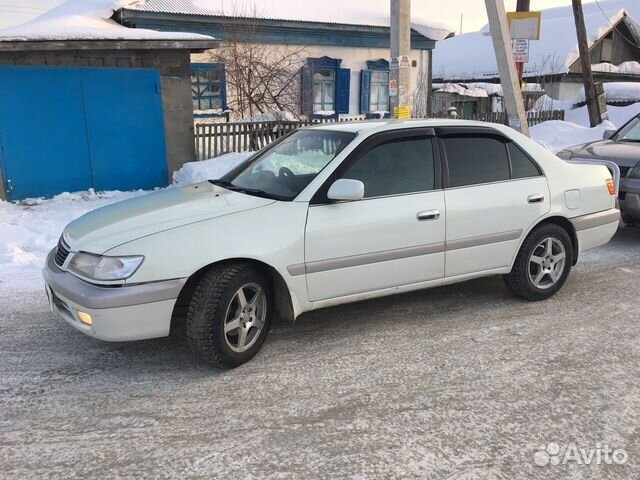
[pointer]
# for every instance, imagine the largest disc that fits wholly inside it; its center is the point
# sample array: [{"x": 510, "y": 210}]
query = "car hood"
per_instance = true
[
  {"x": 107, "y": 227},
  {"x": 624, "y": 154}
]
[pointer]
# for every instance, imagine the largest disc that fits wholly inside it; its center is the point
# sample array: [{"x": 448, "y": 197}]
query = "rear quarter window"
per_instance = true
[{"x": 521, "y": 165}]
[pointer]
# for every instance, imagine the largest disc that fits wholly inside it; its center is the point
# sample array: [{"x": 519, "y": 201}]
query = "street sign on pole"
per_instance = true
[
  {"x": 400, "y": 64},
  {"x": 524, "y": 25},
  {"x": 520, "y": 47}
]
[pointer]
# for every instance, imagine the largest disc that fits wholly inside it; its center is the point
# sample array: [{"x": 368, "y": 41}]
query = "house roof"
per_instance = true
[
  {"x": 91, "y": 20},
  {"x": 351, "y": 12},
  {"x": 471, "y": 55}
]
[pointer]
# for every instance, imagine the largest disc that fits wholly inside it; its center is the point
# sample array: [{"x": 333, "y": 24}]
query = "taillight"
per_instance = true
[{"x": 611, "y": 185}]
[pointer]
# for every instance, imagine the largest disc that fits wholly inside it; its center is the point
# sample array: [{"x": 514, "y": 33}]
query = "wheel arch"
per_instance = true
[
  {"x": 283, "y": 301},
  {"x": 565, "y": 224}
]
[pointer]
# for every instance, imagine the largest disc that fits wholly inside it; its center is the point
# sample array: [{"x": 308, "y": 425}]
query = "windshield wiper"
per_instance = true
[
  {"x": 632, "y": 140},
  {"x": 249, "y": 191},
  {"x": 221, "y": 183}
]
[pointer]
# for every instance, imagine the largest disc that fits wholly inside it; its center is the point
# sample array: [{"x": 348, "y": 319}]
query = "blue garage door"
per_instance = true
[{"x": 68, "y": 129}]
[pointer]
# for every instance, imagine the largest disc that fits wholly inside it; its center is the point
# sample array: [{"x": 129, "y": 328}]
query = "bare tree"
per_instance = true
[
  {"x": 260, "y": 78},
  {"x": 421, "y": 95},
  {"x": 546, "y": 76}
]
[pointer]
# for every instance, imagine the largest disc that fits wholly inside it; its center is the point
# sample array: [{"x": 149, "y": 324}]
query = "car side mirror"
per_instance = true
[
  {"x": 346, "y": 190},
  {"x": 608, "y": 134}
]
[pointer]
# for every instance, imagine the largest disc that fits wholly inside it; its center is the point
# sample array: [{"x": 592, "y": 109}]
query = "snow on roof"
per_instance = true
[
  {"x": 349, "y": 12},
  {"x": 86, "y": 20},
  {"x": 616, "y": 92},
  {"x": 471, "y": 55}
]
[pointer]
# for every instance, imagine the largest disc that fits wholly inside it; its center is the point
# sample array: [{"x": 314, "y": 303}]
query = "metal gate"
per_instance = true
[{"x": 68, "y": 129}]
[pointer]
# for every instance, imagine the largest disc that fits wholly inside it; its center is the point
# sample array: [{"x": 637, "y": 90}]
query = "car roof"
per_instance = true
[{"x": 372, "y": 126}]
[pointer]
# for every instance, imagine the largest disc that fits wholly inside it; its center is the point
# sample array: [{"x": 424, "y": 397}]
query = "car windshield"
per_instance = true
[
  {"x": 630, "y": 132},
  {"x": 285, "y": 168}
]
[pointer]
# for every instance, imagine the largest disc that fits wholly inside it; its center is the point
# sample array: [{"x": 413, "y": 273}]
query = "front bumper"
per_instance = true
[{"x": 120, "y": 313}]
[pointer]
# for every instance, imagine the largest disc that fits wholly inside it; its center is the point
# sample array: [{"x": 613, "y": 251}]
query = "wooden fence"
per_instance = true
[
  {"x": 215, "y": 139},
  {"x": 533, "y": 118}
]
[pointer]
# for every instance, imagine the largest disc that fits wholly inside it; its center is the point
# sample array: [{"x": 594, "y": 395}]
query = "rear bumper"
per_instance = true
[
  {"x": 596, "y": 229},
  {"x": 130, "y": 312}
]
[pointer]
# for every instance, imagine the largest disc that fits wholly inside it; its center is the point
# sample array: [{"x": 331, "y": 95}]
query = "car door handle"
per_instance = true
[
  {"x": 428, "y": 215},
  {"x": 535, "y": 198}
]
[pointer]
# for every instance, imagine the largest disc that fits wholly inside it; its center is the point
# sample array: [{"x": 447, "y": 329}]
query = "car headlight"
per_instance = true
[
  {"x": 565, "y": 154},
  {"x": 99, "y": 267}
]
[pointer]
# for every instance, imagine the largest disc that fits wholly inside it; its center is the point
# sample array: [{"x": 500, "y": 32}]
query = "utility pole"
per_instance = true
[
  {"x": 522, "y": 6},
  {"x": 585, "y": 63},
  {"x": 504, "y": 57},
  {"x": 400, "y": 65}
]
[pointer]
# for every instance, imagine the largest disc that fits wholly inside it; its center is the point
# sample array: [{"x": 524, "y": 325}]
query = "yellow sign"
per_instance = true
[
  {"x": 402, "y": 112},
  {"x": 524, "y": 25}
]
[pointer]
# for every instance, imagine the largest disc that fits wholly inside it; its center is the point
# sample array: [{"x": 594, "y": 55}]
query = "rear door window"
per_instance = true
[{"x": 476, "y": 159}]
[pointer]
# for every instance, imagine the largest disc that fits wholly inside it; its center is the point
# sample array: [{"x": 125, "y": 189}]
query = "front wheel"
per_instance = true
[
  {"x": 543, "y": 263},
  {"x": 229, "y": 315}
]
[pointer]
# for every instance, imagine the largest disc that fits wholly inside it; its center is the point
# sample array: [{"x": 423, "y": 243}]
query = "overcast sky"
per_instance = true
[{"x": 13, "y": 12}]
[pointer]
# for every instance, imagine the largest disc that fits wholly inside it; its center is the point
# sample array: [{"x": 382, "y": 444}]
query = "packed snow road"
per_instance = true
[{"x": 461, "y": 382}]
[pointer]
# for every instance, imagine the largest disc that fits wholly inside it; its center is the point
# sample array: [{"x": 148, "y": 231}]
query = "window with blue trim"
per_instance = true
[
  {"x": 209, "y": 89},
  {"x": 374, "y": 87},
  {"x": 324, "y": 88}
]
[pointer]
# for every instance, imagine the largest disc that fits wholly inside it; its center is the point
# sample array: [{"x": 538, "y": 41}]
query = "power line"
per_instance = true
[{"x": 630, "y": 42}]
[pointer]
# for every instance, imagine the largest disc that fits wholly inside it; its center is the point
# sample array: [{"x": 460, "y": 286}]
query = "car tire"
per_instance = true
[
  {"x": 229, "y": 314},
  {"x": 543, "y": 263}
]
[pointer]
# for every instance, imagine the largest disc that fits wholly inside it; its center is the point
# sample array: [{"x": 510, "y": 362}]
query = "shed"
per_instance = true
[{"x": 87, "y": 103}]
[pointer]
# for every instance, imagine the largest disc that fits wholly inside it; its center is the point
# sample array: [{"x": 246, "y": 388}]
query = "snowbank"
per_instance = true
[
  {"x": 557, "y": 134},
  {"x": 194, "y": 172},
  {"x": 87, "y": 20},
  {"x": 30, "y": 229}
]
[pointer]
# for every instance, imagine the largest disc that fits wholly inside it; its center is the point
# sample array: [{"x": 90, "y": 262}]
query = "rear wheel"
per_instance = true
[
  {"x": 543, "y": 263},
  {"x": 229, "y": 315}
]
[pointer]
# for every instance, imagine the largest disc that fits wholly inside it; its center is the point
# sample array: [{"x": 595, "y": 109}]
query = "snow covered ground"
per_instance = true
[
  {"x": 461, "y": 382},
  {"x": 30, "y": 229}
]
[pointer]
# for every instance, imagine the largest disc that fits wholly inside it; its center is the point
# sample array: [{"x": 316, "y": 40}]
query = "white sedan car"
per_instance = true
[{"x": 325, "y": 216}]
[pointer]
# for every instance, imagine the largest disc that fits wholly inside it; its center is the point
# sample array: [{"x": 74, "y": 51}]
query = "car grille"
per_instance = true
[
  {"x": 624, "y": 171},
  {"x": 62, "y": 252}
]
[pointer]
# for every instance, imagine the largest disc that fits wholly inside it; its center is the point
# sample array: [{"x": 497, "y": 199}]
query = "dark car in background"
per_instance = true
[
  {"x": 621, "y": 147},
  {"x": 630, "y": 196}
]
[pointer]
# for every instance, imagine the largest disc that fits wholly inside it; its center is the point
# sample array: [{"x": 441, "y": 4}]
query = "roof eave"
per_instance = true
[
  {"x": 197, "y": 22},
  {"x": 193, "y": 45}
]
